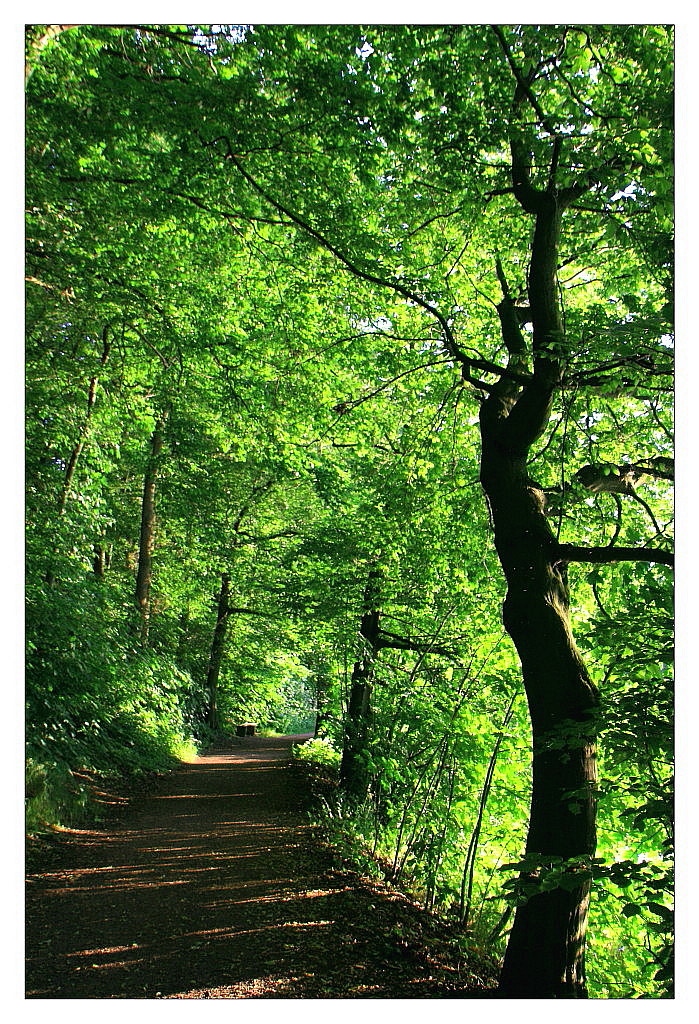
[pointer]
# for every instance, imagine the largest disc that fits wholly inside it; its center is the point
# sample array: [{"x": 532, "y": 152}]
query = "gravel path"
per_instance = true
[{"x": 213, "y": 885}]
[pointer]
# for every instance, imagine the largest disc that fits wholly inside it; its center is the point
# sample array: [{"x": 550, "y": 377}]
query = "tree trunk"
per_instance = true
[
  {"x": 354, "y": 774},
  {"x": 322, "y": 686},
  {"x": 183, "y": 637},
  {"x": 545, "y": 953},
  {"x": 544, "y": 957},
  {"x": 79, "y": 445},
  {"x": 101, "y": 559},
  {"x": 85, "y": 429},
  {"x": 147, "y": 534},
  {"x": 218, "y": 645}
]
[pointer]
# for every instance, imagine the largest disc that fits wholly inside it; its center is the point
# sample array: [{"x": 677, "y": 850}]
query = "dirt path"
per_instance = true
[{"x": 213, "y": 886}]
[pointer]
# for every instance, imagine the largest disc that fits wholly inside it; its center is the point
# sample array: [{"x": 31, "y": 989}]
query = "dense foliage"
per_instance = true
[{"x": 278, "y": 279}]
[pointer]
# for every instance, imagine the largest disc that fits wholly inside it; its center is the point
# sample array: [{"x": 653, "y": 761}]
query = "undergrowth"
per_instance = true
[
  {"x": 317, "y": 751},
  {"x": 353, "y": 831}
]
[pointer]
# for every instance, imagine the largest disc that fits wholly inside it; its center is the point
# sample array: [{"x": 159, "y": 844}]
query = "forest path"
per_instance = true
[{"x": 213, "y": 885}]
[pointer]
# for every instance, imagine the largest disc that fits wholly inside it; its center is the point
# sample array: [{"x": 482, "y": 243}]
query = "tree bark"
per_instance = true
[
  {"x": 545, "y": 953},
  {"x": 146, "y": 544},
  {"x": 218, "y": 645},
  {"x": 101, "y": 559},
  {"x": 354, "y": 774}
]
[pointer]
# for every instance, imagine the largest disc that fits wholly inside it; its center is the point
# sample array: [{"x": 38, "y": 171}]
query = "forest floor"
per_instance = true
[{"x": 212, "y": 884}]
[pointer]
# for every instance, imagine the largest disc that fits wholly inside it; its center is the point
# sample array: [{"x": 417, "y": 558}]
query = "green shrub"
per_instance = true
[
  {"x": 53, "y": 795},
  {"x": 318, "y": 751},
  {"x": 95, "y": 699}
]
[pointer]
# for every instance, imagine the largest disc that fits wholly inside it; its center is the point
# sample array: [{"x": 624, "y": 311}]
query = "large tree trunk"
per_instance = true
[
  {"x": 218, "y": 645},
  {"x": 146, "y": 544},
  {"x": 545, "y": 954},
  {"x": 354, "y": 774}
]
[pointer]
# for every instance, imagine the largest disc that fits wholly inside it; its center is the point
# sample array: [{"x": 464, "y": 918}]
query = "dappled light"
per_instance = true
[{"x": 158, "y": 903}]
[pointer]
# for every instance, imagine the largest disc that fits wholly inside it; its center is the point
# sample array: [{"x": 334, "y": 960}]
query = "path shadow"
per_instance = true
[{"x": 212, "y": 885}]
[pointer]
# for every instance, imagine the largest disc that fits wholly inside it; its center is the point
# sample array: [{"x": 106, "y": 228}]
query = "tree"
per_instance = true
[
  {"x": 373, "y": 638},
  {"x": 147, "y": 533},
  {"x": 217, "y": 647}
]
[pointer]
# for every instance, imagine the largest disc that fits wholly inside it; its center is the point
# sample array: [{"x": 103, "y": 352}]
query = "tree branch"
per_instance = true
[
  {"x": 229, "y": 610},
  {"x": 523, "y": 84},
  {"x": 430, "y": 220},
  {"x": 250, "y": 539},
  {"x": 621, "y": 479},
  {"x": 573, "y": 553},
  {"x": 363, "y": 275},
  {"x": 401, "y": 643},
  {"x": 352, "y": 403},
  {"x": 256, "y": 492},
  {"x": 227, "y": 215},
  {"x": 510, "y": 321}
]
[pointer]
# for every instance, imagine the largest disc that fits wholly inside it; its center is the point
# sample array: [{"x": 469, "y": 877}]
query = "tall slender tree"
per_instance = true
[{"x": 146, "y": 543}]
